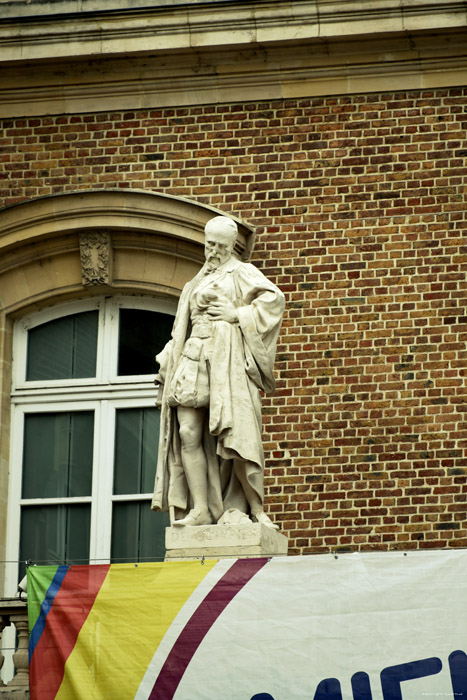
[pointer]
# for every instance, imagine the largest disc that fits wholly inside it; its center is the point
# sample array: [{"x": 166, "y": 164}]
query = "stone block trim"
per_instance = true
[{"x": 359, "y": 208}]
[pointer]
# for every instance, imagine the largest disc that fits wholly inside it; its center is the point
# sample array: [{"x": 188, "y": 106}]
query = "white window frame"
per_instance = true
[
  {"x": 105, "y": 394},
  {"x": 107, "y": 346}
]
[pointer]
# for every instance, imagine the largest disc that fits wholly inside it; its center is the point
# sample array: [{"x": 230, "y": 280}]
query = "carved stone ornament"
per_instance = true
[{"x": 95, "y": 255}]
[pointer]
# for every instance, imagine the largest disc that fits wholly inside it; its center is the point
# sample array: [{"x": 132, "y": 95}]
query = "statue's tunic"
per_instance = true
[{"x": 221, "y": 366}]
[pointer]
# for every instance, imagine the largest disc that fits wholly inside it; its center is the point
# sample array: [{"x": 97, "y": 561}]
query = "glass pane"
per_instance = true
[
  {"x": 136, "y": 441},
  {"x": 57, "y": 458},
  {"x": 143, "y": 334},
  {"x": 55, "y": 534},
  {"x": 138, "y": 533},
  {"x": 63, "y": 349}
]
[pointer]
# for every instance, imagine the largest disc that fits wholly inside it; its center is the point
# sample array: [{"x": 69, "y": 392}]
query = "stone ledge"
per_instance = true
[
  {"x": 419, "y": 61},
  {"x": 187, "y": 27},
  {"x": 14, "y": 693},
  {"x": 41, "y": 8},
  {"x": 217, "y": 541}
]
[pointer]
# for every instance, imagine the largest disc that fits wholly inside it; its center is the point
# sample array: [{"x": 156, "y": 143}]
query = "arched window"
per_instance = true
[
  {"x": 85, "y": 432},
  {"x": 79, "y": 416}
]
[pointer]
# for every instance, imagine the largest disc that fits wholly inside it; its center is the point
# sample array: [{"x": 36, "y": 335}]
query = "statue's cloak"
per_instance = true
[{"x": 241, "y": 365}]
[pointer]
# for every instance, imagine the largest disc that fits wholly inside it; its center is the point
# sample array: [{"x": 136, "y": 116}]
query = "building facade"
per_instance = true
[{"x": 335, "y": 133}]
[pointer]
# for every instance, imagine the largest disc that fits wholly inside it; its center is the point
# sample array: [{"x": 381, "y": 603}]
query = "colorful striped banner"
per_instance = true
[
  {"x": 95, "y": 629},
  {"x": 373, "y": 626}
]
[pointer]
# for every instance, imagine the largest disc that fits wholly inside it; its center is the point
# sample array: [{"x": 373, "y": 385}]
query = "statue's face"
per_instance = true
[{"x": 218, "y": 247}]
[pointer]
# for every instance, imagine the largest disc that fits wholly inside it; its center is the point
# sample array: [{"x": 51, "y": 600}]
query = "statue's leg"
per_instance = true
[
  {"x": 194, "y": 462},
  {"x": 254, "y": 501}
]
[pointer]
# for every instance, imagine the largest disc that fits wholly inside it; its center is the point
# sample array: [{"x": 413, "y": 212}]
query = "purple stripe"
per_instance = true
[{"x": 199, "y": 625}]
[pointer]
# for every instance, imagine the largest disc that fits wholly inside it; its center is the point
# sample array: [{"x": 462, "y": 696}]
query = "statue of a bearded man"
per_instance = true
[{"x": 220, "y": 356}]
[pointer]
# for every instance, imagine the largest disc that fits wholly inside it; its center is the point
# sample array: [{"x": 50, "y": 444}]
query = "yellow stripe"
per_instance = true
[{"x": 132, "y": 612}]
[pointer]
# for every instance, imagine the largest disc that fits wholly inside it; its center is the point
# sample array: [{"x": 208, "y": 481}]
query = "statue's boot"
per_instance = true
[
  {"x": 195, "y": 517},
  {"x": 261, "y": 517}
]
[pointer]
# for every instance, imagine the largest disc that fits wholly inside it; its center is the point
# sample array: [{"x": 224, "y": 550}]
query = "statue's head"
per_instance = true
[{"x": 220, "y": 236}]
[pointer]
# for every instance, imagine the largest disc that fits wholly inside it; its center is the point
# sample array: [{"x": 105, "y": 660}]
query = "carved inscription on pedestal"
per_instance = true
[{"x": 96, "y": 258}]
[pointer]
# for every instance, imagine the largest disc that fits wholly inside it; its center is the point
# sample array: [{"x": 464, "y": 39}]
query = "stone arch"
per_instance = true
[{"x": 77, "y": 243}]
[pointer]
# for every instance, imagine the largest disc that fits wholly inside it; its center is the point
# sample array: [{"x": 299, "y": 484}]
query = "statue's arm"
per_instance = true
[
  {"x": 260, "y": 318},
  {"x": 163, "y": 359},
  {"x": 264, "y": 303}
]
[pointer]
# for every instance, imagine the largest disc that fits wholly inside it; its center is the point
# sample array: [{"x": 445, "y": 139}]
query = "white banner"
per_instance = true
[{"x": 376, "y": 626}]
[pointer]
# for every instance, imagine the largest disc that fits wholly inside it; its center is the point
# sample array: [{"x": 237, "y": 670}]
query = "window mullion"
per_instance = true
[
  {"x": 109, "y": 341},
  {"x": 101, "y": 514}
]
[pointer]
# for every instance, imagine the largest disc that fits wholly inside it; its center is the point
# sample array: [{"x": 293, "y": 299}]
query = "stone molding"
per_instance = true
[
  {"x": 18, "y": 8},
  {"x": 260, "y": 75},
  {"x": 184, "y": 27},
  {"x": 199, "y": 53},
  {"x": 119, "y": 210}
]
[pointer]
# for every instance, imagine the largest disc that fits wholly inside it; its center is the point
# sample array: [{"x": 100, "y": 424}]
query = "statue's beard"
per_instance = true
[{"x": 213, "y": 261}]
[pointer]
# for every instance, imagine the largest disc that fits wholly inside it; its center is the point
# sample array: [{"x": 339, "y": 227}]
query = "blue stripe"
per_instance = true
[{"x": 45, "y": 607}]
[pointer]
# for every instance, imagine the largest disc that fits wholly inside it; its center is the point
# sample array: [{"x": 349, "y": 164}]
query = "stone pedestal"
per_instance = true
[{"x": 224, "y": 541}]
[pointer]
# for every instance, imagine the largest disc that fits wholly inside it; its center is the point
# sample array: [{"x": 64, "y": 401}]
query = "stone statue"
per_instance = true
[{"x": 211, "y": 462}]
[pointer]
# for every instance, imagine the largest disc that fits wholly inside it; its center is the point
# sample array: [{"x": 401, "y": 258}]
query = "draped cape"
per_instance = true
[{"x": 241, "y": 365}]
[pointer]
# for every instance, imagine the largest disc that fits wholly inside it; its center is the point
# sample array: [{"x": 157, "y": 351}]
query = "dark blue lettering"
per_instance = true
[
  {"x": 392, "y": 676},
  {"x": 361, "y": 686},
  {"x": 391, "y": 679},
  {"x": 458, "y": 668},
  {"x": 329, "y": 689}
]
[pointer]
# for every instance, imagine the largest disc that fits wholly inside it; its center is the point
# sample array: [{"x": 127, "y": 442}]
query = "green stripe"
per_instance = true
[{"x": 39, "y": 580}]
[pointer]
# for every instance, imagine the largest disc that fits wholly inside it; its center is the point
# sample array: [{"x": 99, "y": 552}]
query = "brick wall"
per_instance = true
[{"x": 359, "y": 207}]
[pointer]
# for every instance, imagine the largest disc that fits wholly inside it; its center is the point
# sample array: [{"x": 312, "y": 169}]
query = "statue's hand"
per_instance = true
[{"x": 223, "y": 310}]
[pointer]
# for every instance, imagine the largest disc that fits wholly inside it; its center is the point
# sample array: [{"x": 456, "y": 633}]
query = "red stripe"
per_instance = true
[
  {"x": 199, "y": 625},
  {"x": 67, "y": 615}
]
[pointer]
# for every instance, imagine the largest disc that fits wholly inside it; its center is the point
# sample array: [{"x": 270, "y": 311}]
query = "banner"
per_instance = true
[{"x": 370, "y": 626}]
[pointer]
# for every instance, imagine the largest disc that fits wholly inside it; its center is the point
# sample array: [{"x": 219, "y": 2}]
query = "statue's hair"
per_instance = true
[{"x": 222, "y": 224}]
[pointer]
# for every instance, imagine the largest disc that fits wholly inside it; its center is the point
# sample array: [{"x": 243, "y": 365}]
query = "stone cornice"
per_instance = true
[
  {"x": 184, "y": 27},
  {"x": 201, "y": 78},
  {"x": 207, "y": 53},
  {"x": 33, "y": 8}
]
